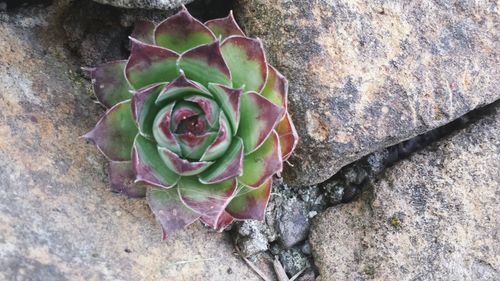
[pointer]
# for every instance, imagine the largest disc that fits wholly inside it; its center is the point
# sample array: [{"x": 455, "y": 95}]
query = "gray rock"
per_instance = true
[
  {"x": 434, "y": 216},
  {"x": 293, "y": 260},
  {"x": 293, "y": 222},
  {"x": 58, "y": 218},
  {"x": 368, "y": 74},
  {"x": 145, "y": 4}
]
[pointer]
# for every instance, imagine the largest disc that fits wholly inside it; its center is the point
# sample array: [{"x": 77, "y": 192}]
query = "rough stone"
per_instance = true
[
  {"x": 433, "y": 216},
  {"x": 145, "y": 4},
  {"x": 368, "y": 74},
  {"x": 58, "y": 218},
  {"x": 293, "y": 222}
]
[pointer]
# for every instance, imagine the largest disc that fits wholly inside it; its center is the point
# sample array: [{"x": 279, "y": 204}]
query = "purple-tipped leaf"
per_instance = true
[
  {"x": 144, "y": 108},
  {"x": 258, "y": 117},
  {"x": 209, "y": 107},
  {"x": 250, "y": 203},
  {"x": 262, "y": 164},
  {"x": 169, "y": 210},
  {"x": 144, "y": 31},
  {"x": 114, "y": 134},
  {"x": 288, "y": 136},
  {"x": 229, "y": 100},
  {"x": 209, "y": 200},
  {"x": 225, "y": 27},
  {"x": 205, "y": 64},
  {"x": 150, "y": 64},
  {"x": 221, "y": 143},
  {"x": 193, "y": 146},
  {"x": 246, "y": 59},
  {"x": 109, "y": 83},
  {"x": 162, "y": 132},
  {"x": 181, "y": 166},
  {"x": 181, "y": 87},
  {"x": 227, "y": 167},
  {"x": 276, "y": 89},
  {"x": 182, "y": 32},
  {"x": 148, "y": 165},
  {"x": 122, "y": 178},
  {"x": 224, "y": 221}
]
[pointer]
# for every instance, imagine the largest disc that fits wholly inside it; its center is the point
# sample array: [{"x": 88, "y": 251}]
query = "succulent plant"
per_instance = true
[{"x": 196, "y": 121}]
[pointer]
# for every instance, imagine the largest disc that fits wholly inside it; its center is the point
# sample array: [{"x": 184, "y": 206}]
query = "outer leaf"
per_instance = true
[
  {"x": 181, "y": 87},
  {"x": 224, "y": 220},
  {"x": 259, "y": 116},
  {"x": 225, "y": 27},
  {"x": 161, "y": 129},
  {"x": 262, "y": 164},
  {"x": 169, "y": 210},
  {"x": 276, "y": 89},
  {"x": 181, "y": 166},
  {"x": 182, "y": 32},
  {"x": 144, "y": 108},
  {"x": 219, "y": 146},
  {"x": 150, "y": 64},
  {"x": 288, "y": 136},
  {"x": 246, "y": 59},
  {"x": 144, "y": 31},
  {"x": 249, "y": 203},
  {"x": 109, "y": 83},
  {"x": 229, "y": 101},
  {"x": 227, "y": 167},
  {"x": 115, "y": 132},
  {"x": 205, "y": 64},
  {"x": 207, "y": 200},
  {"x": 148, "y": 165},
  {"x": 122, "y": 179}
]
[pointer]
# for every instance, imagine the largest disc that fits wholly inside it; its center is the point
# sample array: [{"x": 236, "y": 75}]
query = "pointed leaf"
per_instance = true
[
  {"x": 109, "y": 83},
  {"x": 193, "y": 146},
  {"x": 182, "y": 32},
  {"x": 144, "y": 31},
  {"x": 288, "y": 136},
  {"x": 161, "y": 129},
  {"x": 148, "y": 165},
  {"x": 182, "y": 111},
  {"x": 114, "y": 134},
  {"x": 122, "y": 177},
  {"x": 144, "y": 108},
  {"x": 229, "y": 101},
  {"x": 209, "y": 107},
  {"x": 262, "y": 164},
  {"x": 227, "y": 167},
  {"x": 246, "y": 59},
  {"x": 220, "y": 145},
  {"x": 209, "y": 200},
  {"x": 150, "y": 64},
  {"x": 276, "y": 89},
  {"x": 225, "y": 27},
  {"x": 182, "y": 166},
  {"x": 224, "y": 221},
  {"x": 181, "y": 87},
  {"x": 258, "y": 118},
  {"x": 205, "y": 64},
  {"x": 250, "y": 203},
  {"x": 169, "y": 210}
]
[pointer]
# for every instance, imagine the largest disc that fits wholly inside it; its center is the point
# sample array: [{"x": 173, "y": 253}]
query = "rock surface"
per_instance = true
[
  {"x": 145, "y": 4},
  {"x": 368, "y": 74},
  {"x": 58, "y": 219},
  {"x": 434, "y": 216}
]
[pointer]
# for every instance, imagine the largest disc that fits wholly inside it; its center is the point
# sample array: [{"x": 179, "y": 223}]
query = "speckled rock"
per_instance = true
[
  {"x": 58, "y": 218},
  {"x": 434, "y": 216},
  {"x": 368, "y": 74},
  {"x": 145, "y": 4}
]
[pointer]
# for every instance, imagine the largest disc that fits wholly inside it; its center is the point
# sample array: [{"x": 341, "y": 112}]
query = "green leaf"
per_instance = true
[
  {"x": 229, "y": 101},
  {"x": 162, "y": 132},
  {"x": 181, "y": 87},
  {"x": 144, "y": 108},
  {"x": 276, "y": 89},
  {"x": 182, "y": 166},
  {"x": 109, "y": 83},
  {"x": 227, "y": 167},
  {"x": 114, "y": 134},
  {"x": 122, "y": 178},
  {"x": 250, "y": 203},
  {"x": 224, "y": 27}
]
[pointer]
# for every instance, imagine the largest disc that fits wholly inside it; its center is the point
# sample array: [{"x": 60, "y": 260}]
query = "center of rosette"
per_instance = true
[{"x": 196, "y": 125}]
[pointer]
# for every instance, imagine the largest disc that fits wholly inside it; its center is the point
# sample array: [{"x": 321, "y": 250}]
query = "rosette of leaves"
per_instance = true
[{"x": 196, "y": 121}]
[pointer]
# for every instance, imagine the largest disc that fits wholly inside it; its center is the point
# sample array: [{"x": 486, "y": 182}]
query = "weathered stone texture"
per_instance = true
[
  {"x": 58, "y": 218},
  {"x": 145, "y": 4},
  {"x": 367, "y": 74},
  {"x": 434, "y": 216}
]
